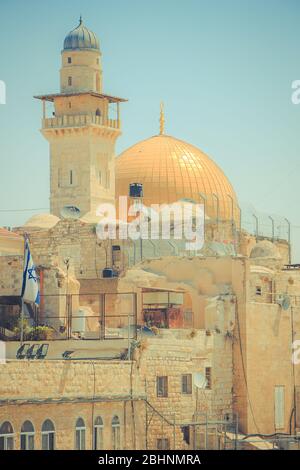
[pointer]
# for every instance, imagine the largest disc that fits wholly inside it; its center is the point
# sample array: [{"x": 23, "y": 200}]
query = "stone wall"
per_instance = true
[{"x": 63, "y": 390}]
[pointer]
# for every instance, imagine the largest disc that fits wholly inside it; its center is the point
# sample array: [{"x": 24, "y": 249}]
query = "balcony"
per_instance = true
[{"x": 80, "y": 120}]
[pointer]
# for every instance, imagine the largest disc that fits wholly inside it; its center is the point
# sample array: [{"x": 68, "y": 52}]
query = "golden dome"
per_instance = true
[{"x": 171, "y": 169}]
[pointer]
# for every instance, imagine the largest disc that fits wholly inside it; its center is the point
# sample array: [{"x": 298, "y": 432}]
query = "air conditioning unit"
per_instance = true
[{"x": 109, "y": 273}]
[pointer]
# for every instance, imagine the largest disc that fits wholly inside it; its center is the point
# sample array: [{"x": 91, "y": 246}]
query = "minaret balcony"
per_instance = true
[{"x": 79, "y": 120}]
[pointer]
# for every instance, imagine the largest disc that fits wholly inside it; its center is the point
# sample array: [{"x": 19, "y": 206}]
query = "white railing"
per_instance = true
[{"x": 79, "y": 120}]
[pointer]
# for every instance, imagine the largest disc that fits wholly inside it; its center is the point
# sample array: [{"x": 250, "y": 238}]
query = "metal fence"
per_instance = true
[{"x": 77, "y": 316}]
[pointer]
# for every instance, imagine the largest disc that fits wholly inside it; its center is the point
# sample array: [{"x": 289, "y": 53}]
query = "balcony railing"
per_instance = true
[{"x": 79, "y": 120}]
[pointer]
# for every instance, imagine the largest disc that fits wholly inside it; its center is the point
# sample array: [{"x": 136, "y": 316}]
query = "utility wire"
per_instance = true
[{"x": 25, "y": 210}]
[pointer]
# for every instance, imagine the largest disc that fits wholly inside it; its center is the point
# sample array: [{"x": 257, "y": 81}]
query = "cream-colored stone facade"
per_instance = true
[
  {"x": 90, "y": 388},
  {"x": 160, "y": 374}
]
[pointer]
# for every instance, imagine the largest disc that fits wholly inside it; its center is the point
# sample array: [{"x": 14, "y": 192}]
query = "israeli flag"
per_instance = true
[{"x": 30, "y": 287}]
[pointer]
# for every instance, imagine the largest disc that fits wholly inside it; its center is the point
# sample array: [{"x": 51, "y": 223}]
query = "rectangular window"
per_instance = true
[
  {"x": 69, "y": 60},
  {"x": 186, "y": 434},
  {"x": 98, "y": 438},
  {"x": 279, "y": 407},
  {"x": 116, "y": 255},
  {"x": 186, "y": 384},
  {"x": 23, "y": 442},
  {"x": 80, "y": 439},
  {"x": 6, "y": 443},
  {"x": 48, "y": 441},
  {"x": 162, "y": 386},
  {"x": 69, "y": 81},
  {"x": 270, "y": 292},
  {"x": 258, "y": 290},
  {"x": 27, "y": 441},
  {"x": 163, "y": 444},
  {"x": 208, "y": 377},
  {"x": 116, "y": 438},
  {"x": 71, "y": 177}
]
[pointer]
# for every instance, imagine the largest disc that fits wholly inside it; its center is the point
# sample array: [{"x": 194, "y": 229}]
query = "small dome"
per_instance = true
[
  {"x": 81, "y": 38},
  {"x": 45, "y": 221},
  {"x": 265, "y": 249}
]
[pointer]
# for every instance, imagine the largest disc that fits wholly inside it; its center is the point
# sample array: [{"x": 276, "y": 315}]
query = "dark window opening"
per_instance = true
[
  {"x": 80, "y": 434},
  {"x": 208, "y": 377},
  {"x": 186, "y": 434},
  {"x": 258, "y": 290},
  {"x": 98, "y": 433},
  {"x": 69, "y": 60},
  {"x": 116, "y": 438},
  {"x": 186, "y": 384},
  {"x": 27, "y": 436},
  {"x": 116, "y": 256},
  {"x": 162, "y": 386},
  {"x": 48, "y": 435}
]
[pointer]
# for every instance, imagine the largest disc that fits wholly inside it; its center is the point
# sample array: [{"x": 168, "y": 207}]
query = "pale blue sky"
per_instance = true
[{"x": 224, "y": 69}]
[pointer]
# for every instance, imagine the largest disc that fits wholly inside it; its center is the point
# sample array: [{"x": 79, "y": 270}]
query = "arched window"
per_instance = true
[
  {"x": 80, "y": 434},
  {"x": 70, "y": 81},
  {"x": 115, "y": 423},
  {"x": 98, "y": 433},
  {"x": 98, "y": 112},
  {"x": 48, "y": 435},
  {"x": 27, "y": 436},
  {"x": 6, "y": 436}
]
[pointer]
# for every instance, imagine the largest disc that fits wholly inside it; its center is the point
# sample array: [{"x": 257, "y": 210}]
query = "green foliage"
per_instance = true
[{"x": 38, "y": 333}]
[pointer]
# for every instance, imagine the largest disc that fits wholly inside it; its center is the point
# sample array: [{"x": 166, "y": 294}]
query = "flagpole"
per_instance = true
[
  {"x": 22, "y": 323},
  {"x": 22, "y": 298}
]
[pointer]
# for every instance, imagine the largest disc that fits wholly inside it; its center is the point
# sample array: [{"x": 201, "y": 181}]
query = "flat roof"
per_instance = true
[
  {"x": 51, "y": 97},
  {"x": 162, "y": 289}
]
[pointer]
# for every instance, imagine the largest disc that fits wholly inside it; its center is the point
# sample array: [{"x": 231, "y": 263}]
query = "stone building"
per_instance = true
[{"x": 140, "y": 343}]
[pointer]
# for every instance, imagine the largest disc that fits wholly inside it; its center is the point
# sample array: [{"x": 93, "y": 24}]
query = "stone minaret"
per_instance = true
[{"x": 81, "y": 130}]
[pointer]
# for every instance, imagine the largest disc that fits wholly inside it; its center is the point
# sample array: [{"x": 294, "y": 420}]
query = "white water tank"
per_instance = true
[{"x": 79, "y": 321}]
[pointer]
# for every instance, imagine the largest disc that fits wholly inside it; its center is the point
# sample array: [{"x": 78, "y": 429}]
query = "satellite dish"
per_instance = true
[
  {"x": 284, "y": 301},
  {"x": 199, "y": 380},
  {"x": 70, "y": 212}
]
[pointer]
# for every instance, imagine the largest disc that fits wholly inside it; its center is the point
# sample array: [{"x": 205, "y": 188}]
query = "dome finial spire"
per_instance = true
[
  {"x": 80, "y": 19},
  {"x": 162, "y": 119}
]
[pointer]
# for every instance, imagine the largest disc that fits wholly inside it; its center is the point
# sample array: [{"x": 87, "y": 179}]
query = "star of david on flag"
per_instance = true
[{"x": 30, "y": 287}]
